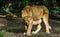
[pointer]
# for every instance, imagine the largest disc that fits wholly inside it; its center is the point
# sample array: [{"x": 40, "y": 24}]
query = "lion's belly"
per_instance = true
[{"x": 37, "y": 22}]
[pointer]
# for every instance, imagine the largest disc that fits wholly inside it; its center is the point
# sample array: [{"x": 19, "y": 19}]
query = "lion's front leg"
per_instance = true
[
  {"x": 29, "y": 27},
  {"x": 38, "y": 29}
]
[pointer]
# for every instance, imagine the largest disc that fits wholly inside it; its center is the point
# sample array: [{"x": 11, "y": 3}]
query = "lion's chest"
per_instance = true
[{"x": 37, "y": 22}]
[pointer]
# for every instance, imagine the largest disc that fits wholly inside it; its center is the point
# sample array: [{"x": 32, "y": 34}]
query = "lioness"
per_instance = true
[{"x": 33, "y": 15}]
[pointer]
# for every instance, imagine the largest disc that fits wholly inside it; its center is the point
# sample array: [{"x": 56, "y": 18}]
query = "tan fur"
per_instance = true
[{"x": 33, "y": 15}]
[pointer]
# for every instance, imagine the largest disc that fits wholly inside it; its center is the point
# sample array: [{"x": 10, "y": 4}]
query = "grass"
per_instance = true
[
  {"x": 41, "y": 34},
  {"x": 1, "y": 35}
]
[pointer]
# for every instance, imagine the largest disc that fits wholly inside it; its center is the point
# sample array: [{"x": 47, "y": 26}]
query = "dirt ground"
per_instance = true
[{"x": 18, "y": 30}]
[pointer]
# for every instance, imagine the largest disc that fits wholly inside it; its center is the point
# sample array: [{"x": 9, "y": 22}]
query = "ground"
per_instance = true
[{"x": 10, "y": 28}]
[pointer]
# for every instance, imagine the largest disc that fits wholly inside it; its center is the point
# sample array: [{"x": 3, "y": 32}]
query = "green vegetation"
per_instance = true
[
  {"x": 1, "y": 35},
  {"x": 41, "y": 33},
  {"x": 54, "y": 10},
  {"x": 25, "y": 1}
]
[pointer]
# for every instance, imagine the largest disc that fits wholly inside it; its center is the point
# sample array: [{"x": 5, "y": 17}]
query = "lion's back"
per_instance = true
[{"x": 36, "y": 12}]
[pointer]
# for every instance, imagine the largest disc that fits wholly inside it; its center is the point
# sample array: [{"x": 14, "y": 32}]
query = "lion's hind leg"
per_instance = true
[{"x": 45, "y": 19}]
